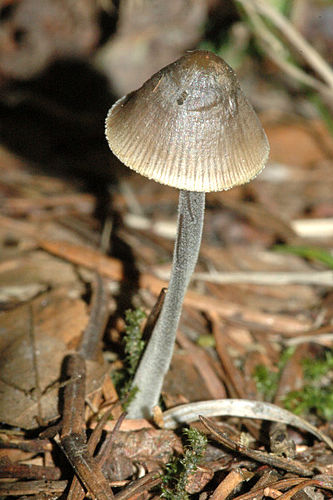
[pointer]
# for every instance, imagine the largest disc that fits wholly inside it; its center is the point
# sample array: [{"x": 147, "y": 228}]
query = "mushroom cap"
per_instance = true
[{"x": 189, "y": 126}]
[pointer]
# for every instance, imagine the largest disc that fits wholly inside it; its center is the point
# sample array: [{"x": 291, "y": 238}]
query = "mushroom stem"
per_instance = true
[{"x": 157, "y": 356}]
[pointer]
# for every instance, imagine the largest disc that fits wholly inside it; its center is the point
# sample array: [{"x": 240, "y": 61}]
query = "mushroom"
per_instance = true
[{"x": 191, "y": 127}]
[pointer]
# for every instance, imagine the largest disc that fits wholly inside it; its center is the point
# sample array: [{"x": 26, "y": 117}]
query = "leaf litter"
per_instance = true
[{"x": 64, "y": 294}]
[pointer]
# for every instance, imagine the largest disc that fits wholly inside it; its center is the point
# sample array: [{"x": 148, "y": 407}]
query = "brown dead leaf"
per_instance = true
[
  {"x": 31, "y": 357},
  {"x": 299, "y": 144},
  {"x": 198, "y": 479},
  {"x": 206, "y": 367},
  {"x": 30, "y": 274},
  {"x": 150, "y": 446},
  {"x": 183, "y": 382},
  {"x": 85, "y": 256}
]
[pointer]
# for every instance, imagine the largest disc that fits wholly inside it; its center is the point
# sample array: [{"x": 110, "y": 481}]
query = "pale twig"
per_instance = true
[
  {"x": 320, "y": 278},
  {"x": 318, "y": 338},
  {"x": 260, "y": 28},
  {"x": 313, "y": 228},
  {"x": 276, "y": 51},
  {"x": 165, "y": 229},
  {"x": 313, "y": 58},
  {"x": 243, "y": 408},
  {"x": 298, "y": 74},
  {"x": 132, "y": 202},
  {"x": 306, "y": 228}
]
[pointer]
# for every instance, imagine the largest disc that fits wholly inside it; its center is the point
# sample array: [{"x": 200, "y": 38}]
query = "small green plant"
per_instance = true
[
  {"x": 133, "y": 348},
  {"x": 317, "y": 394},
  {"x": 311, "y": 253},
  {"x": 311, "y": 399},
  {"x": 178, "y": 470},
  {"x": 267, "y": 380},
  {"x": 316, "y": 369}
]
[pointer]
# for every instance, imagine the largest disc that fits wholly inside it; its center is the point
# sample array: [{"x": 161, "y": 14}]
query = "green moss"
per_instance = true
[
  {"x": 133, "y": 348},
  {"x": 311, "y": 399},
  {"x": 178, "y": 470},
  {"x": 267, "y": 380},
  {"x": 316, "y": 369},
  {"x": 134, "y": 344},
  {"x": 317, "y": 394}
]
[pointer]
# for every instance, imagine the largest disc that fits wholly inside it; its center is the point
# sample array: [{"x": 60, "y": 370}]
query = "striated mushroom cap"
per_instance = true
[{"x": 189, "y": 126}]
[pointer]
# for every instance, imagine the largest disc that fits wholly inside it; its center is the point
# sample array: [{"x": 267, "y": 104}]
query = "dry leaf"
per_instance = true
[{"x": 31, "y": 356}]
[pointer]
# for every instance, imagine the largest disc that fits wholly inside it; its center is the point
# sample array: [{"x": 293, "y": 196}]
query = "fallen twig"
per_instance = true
[
  {"x": 73, "y": 439},
  {"x": 244, "y": 408},
  {"x": 91, "y": 339},
  {"x": 272, "y": 46},
  {"x": 320, "y": 278},
  {"x": 286, "y": 464}
]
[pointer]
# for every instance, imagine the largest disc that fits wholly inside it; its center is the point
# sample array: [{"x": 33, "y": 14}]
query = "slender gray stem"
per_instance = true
[{"x": 157, "y": 356}]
